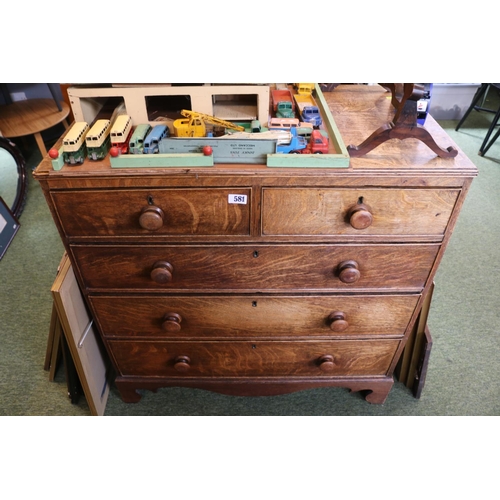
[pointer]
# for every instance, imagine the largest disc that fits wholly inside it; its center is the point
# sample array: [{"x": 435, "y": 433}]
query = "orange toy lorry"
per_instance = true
[
  {"x": 283, "y": 103},
  {"x": 318, "y": 144}
]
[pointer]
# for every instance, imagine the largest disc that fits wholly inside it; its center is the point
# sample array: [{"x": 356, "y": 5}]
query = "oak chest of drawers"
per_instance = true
[{"x": 316, "y": 280}]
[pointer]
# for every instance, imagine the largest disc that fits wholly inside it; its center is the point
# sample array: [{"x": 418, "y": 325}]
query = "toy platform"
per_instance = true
[{"x": 252, "y": 102}]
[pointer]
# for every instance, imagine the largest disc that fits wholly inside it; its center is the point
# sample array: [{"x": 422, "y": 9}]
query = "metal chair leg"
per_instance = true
[
  {"x": 488, "y": 134},
  {"x": 480, "y": 92},
  {"x": 495, "y": 137}
]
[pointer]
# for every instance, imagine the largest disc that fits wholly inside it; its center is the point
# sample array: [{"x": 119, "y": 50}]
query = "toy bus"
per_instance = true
[
  {"x": 98, "y": 140},
  {"x": 120, "y": 133},
  {"x": 74, "y": 147},
  {"x": 136, "y": 143},
  {"x": 283, "y": 123},
  {"x": 152, "y": 141}
]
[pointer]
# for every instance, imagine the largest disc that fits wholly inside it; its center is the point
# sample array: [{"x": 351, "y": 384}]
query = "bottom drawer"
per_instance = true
[{"x": 250, "y": 359}]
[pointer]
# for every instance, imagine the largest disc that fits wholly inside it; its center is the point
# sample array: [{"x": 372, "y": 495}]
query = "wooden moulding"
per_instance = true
[{"x": 340, "y": 159}]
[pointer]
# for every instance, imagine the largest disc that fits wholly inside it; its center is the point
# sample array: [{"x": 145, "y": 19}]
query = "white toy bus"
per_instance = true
[
  {"x": 98, "y": 140},
  {"x": 74, "y": 147},
  {"x": 121, "y": 132}
]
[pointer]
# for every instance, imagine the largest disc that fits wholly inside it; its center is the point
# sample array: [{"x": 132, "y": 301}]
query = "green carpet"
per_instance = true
[{"x": 463, "y": 376}]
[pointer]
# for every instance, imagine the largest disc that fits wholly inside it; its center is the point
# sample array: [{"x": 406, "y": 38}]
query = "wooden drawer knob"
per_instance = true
[
  {"x": 349, "y": 272},
  {"x": 181, "y": 364},
  {"x": 326, "y": 363},
  {"x": 171, "y": 322},
  {"x": 162, "y": 272},
  {"x": 360, "y": 216},
  {"x": 151, "y": 218},
  {"x": 338, "y": 322}
]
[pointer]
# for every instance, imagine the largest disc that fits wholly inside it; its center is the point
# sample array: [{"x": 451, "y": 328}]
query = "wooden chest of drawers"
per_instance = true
[{"x": 317, "y": 280}]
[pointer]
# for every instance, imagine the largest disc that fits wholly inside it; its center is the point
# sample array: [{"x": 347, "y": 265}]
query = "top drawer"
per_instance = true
[
  {"x": 141, "y": 212},
  {"x": 330, "y": 211}
]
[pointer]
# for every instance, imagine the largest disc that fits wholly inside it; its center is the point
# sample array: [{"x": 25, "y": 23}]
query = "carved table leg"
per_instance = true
[
  {"x": 390, "y": 131},
  {"x": 403, "y": 126}
]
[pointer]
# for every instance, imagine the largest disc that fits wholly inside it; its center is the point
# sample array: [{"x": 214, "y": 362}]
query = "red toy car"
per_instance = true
[{"x": 318, "y": 144}]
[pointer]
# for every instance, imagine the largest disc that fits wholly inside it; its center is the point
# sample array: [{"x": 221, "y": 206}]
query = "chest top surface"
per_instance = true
[{"x": 358, "y": 110}]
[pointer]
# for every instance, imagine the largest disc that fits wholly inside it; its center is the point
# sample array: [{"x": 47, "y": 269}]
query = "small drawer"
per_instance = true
[
  {"x": 216, "y": 317},
  {"x": 211, "y": 268},
  {"x": 329, "y": 211},
  {"x": 166, "y": 212},
  {"x": 253, "y": 359}
]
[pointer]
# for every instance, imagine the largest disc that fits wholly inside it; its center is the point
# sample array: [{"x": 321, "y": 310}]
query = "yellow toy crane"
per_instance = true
[{"x": 194, "y": 124}]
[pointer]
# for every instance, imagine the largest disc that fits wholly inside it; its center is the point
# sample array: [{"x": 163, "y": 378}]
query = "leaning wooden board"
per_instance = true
[{"x": 77, "y": 325}]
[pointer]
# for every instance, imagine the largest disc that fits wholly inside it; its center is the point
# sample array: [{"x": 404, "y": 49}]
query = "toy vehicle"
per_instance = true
[
  {"x": 304, "y": 88},
  {"x": 74, "y": 147},
  {"x": 305, "y": 129},
  {"x": 283, "y": 123},
  {"x": 318, "y": 144},
  {"x": 308, "y": 110},
  {"x": 194, "y": 124},
  {"x": 98, "y": 140},
  {"x": 283, "y": 103},
  {"x": 121, "y": 131},
  {"x": 295, "y": 146},
  {"x": 136, "y": 143},
  {"x": 152, "y": 141},
  {"x": 255, "y": 126}
]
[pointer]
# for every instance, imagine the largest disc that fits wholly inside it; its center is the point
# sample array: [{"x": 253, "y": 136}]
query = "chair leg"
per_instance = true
[
  {"x": 490, "y": 130},
  {"x": 480, "y": 92},
  {"x": 52, "y": 88},
  {"x": 495, "y": 137}
]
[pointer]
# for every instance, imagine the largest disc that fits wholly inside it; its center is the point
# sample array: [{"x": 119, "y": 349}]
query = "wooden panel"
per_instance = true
[
  {"x": 259, "y": 268},
  {"x": 83, "y": 342},
  {"x": 243, "y": 359},
  {"x": 326, "y": 211},
  {"x": 186, "y": 212},
  {"x": 254, "y": 316}
]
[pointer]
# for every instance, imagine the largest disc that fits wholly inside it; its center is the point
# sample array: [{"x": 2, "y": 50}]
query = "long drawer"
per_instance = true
[
  {"x": 138, "y": 212},
  {"x": 330, "y": 211},
  {"x": 285, "y": 211},
  {"x": 381, "y": 267},
  {"x": 242, "y": 359},
  {"x": 212, "y": 317}
]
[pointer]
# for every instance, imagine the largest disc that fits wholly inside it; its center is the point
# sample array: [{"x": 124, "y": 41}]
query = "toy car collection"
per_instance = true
[{"x": 292, "y": 128}]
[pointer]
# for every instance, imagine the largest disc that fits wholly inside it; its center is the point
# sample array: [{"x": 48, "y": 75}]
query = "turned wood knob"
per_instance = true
[
  {"x": 326, "y": 363},
  {"x": 171, "y": 322},
  {"x": 337, "y": 321},
  {"x": 349, "y": 272},
  {"x": 181, "y": 364},
  {"x": 151, "y": 218},
  {"x": 162, "y": 272},
  {"x": 360, "y": 216}
]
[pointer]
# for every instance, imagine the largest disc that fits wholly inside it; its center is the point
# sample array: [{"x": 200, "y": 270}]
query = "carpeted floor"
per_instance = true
[{"x": 463, "y": 376}]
